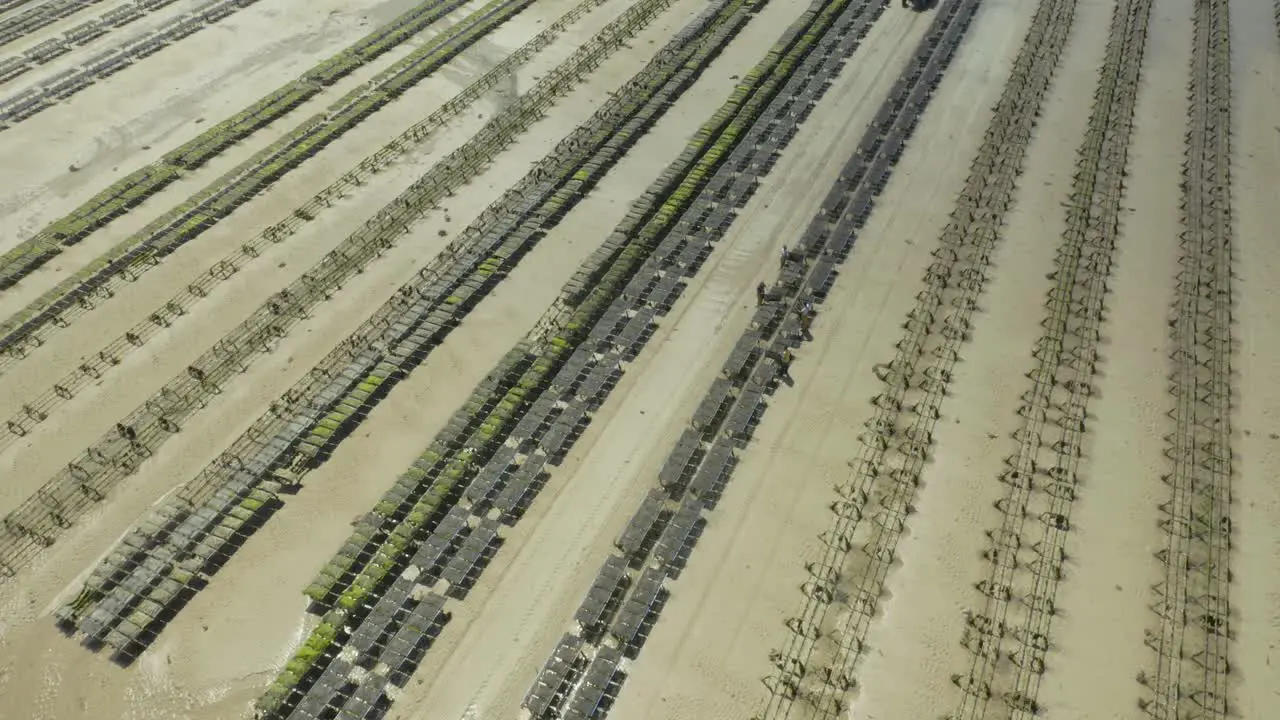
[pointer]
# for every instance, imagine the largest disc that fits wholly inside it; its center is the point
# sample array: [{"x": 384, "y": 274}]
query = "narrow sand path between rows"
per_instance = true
[{"x": 1255, "y": 510}]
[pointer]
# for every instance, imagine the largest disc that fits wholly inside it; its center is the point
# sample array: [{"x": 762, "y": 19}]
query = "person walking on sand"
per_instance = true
[
  {"x": 783, "y": 258},
  {"x": 760, "y": 294}
]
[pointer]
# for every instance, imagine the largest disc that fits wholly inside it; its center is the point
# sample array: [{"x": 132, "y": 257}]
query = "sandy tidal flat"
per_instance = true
[{"x": 1019, "y": 396}]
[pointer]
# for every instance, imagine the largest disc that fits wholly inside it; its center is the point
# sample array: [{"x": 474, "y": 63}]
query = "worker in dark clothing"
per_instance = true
[{"x": 760, "y": 294}]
